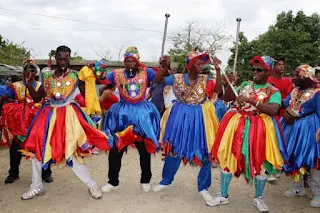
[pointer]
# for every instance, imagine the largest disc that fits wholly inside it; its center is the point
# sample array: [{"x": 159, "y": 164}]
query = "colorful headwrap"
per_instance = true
[
  {"x": 132, "y": 52},
  {"x": 30, "y": 62},
  {"x": 98, "y": 67},
  {"x": 266, "y": 61},
  {"x": 306, "y": 71},
  {"x": 194, "y": 55}
]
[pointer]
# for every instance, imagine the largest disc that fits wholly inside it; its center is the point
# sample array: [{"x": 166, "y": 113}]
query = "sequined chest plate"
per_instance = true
[
  {"x": 262, "y": 95},
  {"x": 190, "y": 94},
  {"x": 59, "y": 90},
  {"x": 298, "y": 98},
  {"x": 132, "y": 90},
  {"x": 22, "y": 93}
]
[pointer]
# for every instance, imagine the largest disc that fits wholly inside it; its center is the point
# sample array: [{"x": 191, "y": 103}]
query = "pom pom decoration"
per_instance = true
[{"x": 98, "y": 67}]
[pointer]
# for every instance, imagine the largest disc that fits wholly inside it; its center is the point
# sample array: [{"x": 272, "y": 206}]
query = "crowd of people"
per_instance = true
[{"x": 259, "y": 129}]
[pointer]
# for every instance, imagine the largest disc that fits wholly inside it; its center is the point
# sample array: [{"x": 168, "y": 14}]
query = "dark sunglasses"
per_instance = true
[
  {"x": 257, "y": 69},
  {"x": 30, "y": 70}
]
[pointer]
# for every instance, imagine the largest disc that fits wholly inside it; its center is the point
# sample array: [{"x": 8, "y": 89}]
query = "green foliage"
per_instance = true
[
  {"x": 11, "y": 53},
  {"x": 295, "y": 38}
]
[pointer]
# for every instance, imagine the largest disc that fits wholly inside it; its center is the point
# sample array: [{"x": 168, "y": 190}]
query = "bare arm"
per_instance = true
[
  {"x": 82, "y": 88},
  {"x": 165, "y": 62},
  {"x": 271, "y": 109},
  {"x": 160, "y": 76},
  {"x": 218, "y": 87},
  {"x": 37, "y": 96},
  {"x": 229, "y": 95}
]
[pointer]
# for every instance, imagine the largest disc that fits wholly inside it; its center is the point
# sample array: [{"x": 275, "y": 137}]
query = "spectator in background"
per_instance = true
[
  {"x": 277, "y": 80},
  {"x": 107, "y": 98},
  {"x": 156, "y": 94}
]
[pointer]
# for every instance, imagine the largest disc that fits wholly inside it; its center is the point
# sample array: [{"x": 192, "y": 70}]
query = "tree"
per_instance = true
[
  {"x": 52, "y": 53},
  {"x": 103, "y": 52},
  {"x": 76, "y": 56},
  {"x": 12, "y": 53},
  {"x": 193, "y": 36},
  {"x": 295, "y": 38}
]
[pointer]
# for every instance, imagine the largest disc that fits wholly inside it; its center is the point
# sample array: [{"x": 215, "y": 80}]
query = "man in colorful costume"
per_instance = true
[
  {"x": 17, "y": 115},
  {"x": 301, "y": 125},
  {"x": 133, "y": 120},
  {"x": 249, "y": 136},
  {"x": 61, "y": 132},
  {"x": 189, "y": 126}
]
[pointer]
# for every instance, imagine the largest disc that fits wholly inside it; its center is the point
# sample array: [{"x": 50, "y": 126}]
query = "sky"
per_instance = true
[{"x": 108, "y": 25}]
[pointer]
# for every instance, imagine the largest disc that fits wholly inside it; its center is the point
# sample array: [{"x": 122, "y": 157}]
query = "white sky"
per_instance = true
[{"x": 41, "y": 34}]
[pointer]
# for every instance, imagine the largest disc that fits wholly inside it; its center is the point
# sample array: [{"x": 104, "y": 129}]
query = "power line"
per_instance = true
[{"x": 77, "y": 20}]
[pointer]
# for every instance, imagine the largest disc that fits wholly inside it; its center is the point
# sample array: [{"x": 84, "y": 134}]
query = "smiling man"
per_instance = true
[{"x": 249, "y": 139}]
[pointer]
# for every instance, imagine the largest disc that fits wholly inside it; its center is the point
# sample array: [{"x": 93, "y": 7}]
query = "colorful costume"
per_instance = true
[
  {"x": 17, "y": 116},
  {"x": 133, "y": 121},
  {"x": 133, "y": 118},
  {"x": 16, "y": 119},
  {"x": 303, "y": 149},
  {"x": 245, "y": 130},
  {"x": 189, "y": 126},
  {"x": 249, "y": 140},
  {"x": 61, "y": 129}
]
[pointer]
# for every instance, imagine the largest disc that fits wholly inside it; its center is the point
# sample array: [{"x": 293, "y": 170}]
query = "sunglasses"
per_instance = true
[
  {"x": 257, "y": 69},
  {"x": 30, "y": 70}
]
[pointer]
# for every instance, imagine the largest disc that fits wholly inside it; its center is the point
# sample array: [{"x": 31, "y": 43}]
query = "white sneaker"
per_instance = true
[
  {"x": 95, "y": 192},
  {"x": 159, "y": 187},
  {"x": 278, "y": 175},
  {"x": 294, "y": 193},
  {"x": 261, "y": 206},
  {"x": 32, "y": 193},
  {"x": 315, "y": 202},
  {"x": 271, "y": 178},
  {"x": 108, "y": 188},
  {"x": 206, "y": 195},
  {"x": 146, "y": 187},
  {"x": 95, "y": 151},
  {"x": 217, "y": 201}
]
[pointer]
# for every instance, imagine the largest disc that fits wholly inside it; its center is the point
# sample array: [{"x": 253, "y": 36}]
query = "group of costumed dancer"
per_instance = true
[{"x": 260, "y": 135}]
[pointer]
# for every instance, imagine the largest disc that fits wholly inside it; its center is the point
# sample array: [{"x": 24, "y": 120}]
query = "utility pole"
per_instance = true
[
  {"x": 167, "y": 15},
  {"x": 237, "y": 44}
]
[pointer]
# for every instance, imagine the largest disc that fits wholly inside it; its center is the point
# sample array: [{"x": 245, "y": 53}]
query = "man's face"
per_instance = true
[
  {"x": 130, "y": 63},
  {"x": 260, "y": 74},
  {"x": 63, "y": 60},
  {"x": 31, "y": 70},
  {"x": 279, "y": 67},
  {"x": 198, "y": 66}
]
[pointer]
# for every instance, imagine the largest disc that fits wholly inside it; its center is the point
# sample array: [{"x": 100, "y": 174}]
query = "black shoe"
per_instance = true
[
  {"x": 11, "y": 179},
  {"x": 47, "y": 179}
]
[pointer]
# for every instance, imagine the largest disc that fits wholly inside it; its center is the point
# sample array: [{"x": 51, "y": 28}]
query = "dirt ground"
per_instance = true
[{"x": 68, "y": 194}]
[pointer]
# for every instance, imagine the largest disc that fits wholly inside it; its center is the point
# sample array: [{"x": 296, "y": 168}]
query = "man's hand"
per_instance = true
[
  {"x": 165, "y": 62},
  {"x": 29, "y": 76},
  {"x": 216, "y": 63},
  {"x": 241, "y": 99},
  {"x": 318, "y": 136}
]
